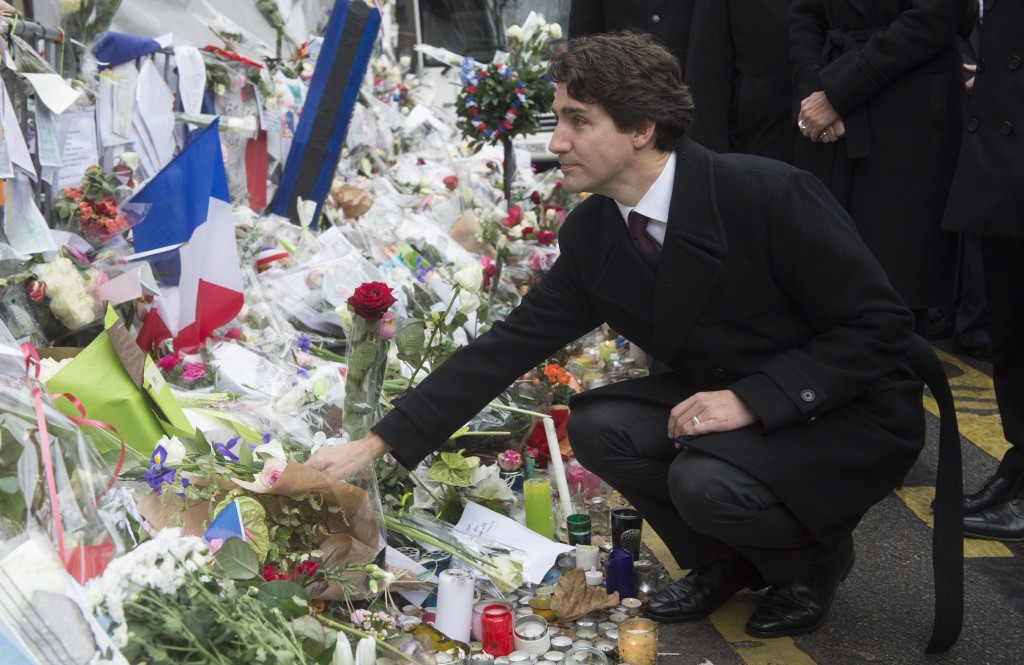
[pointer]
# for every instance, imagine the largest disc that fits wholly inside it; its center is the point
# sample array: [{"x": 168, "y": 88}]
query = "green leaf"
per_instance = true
[
  {"x": 451, "y": 469},
  {"x": 409, "y": 341},
  {"x": 311, "y": 633},
  {"x": 237, "y": 561},
  {"x": 286, "y": 596},
  {"x": 244, "y": 453}
]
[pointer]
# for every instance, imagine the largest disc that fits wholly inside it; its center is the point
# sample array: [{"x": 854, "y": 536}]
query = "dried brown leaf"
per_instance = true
[{"x": 573, "y": 598}]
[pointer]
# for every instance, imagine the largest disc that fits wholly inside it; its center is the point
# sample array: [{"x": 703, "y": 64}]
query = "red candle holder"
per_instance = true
[{"x": 496, "y": 629}]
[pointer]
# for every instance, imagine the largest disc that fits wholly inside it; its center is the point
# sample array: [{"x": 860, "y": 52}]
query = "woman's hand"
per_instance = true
[
  {"x": 348, "y": 459},
  {"x": 704, "y": 413},
  {"x": 816, "y": 117}
]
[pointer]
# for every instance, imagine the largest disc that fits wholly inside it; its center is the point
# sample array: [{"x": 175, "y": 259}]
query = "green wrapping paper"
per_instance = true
[{"x": 119, "y": 384}]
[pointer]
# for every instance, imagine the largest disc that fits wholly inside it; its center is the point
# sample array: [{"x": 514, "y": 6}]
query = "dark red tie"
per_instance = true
[{"x": 643, "y": 242}]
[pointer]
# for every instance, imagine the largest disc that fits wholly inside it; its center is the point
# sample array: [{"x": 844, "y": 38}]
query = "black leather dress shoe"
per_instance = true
[
  {"x": 801, "y": 605},
  {"x": 1003, "y": 521},
  {"x": 703, "y": 591},
  {"x": 992, "y": 492}
]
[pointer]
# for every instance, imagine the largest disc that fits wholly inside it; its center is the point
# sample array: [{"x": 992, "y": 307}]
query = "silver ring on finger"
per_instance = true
[
  {"x": 801, "y": 125},
  {"x": 695, "y": 420}
]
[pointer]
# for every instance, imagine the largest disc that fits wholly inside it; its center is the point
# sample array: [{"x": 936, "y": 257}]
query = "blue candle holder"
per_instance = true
[{"x": 618, "y": 572}]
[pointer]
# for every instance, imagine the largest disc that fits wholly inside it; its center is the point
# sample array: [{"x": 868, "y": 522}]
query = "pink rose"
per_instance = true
[
  {"x": 168, "y": 362},
  {"x": 193, "y": 372}
]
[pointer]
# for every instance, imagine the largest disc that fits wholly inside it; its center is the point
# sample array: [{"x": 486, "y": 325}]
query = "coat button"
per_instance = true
[
  {"x": 807, "y": 395},
  {"x": 972, "y": 126},
  {"x": 655, "y": 19},
  {"x": 718, "y": 373},
  {"x": 1006, "y": 128},
  {"x": 981, "y": 65},
  {"x": 1015, "y": 62}
]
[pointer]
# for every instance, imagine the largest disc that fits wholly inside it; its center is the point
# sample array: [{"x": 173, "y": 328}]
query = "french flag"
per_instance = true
[{"x": 187, "y": 232}]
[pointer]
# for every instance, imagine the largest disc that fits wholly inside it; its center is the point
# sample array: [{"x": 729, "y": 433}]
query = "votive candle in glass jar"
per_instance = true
[
  {"x": 478, "y": 610},
  {"x": 496, "y": 629},
  {"x": 537, "y": 497},
  {"x": 638, "y": 641}
]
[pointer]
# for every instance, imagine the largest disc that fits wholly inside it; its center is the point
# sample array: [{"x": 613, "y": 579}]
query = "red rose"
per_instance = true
[
  {"x": 371, "y": 300},
  {"x": 36, "y": 290},
  {"x": 307, "y": 569},
  {"x": 451, "y": 182},
  {"x": 545, "y": 237},
  {"x": 535, "y": 197}
]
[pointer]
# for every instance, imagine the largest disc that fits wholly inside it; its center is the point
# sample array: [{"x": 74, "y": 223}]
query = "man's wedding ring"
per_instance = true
[
  {"x": 801, "y": 124},
  {"x": 695, "y": 420}
]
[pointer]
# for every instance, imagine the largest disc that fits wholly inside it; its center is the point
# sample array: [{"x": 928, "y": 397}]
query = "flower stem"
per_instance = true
[
  {"x": 433, "y": 335},
  {"x": 330, "y": 623}
]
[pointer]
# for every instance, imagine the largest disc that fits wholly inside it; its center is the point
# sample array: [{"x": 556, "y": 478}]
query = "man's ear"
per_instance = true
[{"x": 644, "y": 134}]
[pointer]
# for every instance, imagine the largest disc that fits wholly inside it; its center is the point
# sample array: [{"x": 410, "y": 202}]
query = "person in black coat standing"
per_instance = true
[
  {"x": 987, "y": 199},
  {"x": 881, "y": 103},
  {"x": 739, "y": 74},
  {"x": 667, "y": 20}
]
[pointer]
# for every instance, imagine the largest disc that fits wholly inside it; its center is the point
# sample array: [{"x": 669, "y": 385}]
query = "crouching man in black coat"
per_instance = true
[{"x": 790, "y": 407}]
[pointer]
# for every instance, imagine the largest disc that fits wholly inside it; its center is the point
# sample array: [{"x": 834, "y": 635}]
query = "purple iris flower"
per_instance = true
[
  {"x": 225, "y": 449},
  {"x": 304, "y": 342},
  {"x": 158, "y": 475}
]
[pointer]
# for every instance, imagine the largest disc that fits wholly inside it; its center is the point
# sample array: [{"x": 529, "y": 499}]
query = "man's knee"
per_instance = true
[{"x": 709, "y": 491}]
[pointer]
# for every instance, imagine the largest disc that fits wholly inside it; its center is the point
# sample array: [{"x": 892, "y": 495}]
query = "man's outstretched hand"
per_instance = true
[{"x": 347, "y": 460}]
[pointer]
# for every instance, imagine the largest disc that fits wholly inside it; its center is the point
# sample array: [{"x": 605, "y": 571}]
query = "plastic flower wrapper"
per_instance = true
[
  {"x": 492, "y": 561},
  {"x": 45, "y": 612},
  {"x": 66, "y": 469},
  {"x": 373, "y": 327},
  {"x": 287, "y": 509}
]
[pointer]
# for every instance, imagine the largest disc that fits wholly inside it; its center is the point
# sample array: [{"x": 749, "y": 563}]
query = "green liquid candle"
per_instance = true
[{"x": 537, "y": 497}]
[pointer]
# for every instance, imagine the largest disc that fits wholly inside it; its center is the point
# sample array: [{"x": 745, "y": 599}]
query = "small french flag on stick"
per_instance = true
[{"x": 187, "y": 232}]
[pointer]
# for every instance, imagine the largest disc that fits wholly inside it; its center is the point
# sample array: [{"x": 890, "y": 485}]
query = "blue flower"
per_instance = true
[
  {"x": 225, "y": 449},
  {"x": 159, "y": 475}
]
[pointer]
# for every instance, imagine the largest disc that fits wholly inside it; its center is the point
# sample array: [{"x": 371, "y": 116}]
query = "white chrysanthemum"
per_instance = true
[{"x": 69, "y": 296}]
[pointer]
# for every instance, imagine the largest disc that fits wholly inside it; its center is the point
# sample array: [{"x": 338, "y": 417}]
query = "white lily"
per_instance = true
[
  {"x": 366, "y": 651},
  {"x": 342, "y": 651}
]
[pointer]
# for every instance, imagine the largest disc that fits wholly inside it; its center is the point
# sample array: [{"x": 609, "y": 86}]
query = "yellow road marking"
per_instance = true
[
  {"x": 983, "y": 430},
  {"x": 919, "y": 500}
]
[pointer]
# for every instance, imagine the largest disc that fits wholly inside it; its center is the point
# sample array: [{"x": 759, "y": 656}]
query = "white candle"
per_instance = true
[
  {"x": 455, "y": 604},
  {"x": 557, "y": 468},
  {"x": 594, "y": 577},
  {"x": 586, "y": 556}
]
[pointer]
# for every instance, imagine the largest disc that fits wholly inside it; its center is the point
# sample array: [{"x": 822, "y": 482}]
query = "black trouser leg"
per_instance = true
[
  {"x": 626, "y": 444},
  {"x": 1004, "y": 289}
]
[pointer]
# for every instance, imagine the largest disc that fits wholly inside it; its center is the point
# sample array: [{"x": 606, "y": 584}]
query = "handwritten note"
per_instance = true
[{"x": 537, "y": 552}]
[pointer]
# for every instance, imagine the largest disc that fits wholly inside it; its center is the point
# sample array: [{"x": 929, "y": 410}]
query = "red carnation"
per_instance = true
[
  {"x": 451, "y": 182},
  {"x": 371, "y": 300}
]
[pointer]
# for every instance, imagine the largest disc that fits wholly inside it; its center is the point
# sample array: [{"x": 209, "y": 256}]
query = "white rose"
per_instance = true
[
  {"x": 468, "y": 302},
  {"x": 555, "y": 31},
  {"x": 66, "y": 7},
  {"x": 404, "y": 62},
  {"x": 344, "y": 316},
  {"x": 514, "y": 34},
  {"x": 175, "y": 450},
  {"x": 470, "y": 277}
]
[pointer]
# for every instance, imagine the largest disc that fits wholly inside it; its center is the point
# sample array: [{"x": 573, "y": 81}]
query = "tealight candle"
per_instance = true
[
  {"x": 605, "y": 626},
  {"x": 632, "y": 606},
  {"x": 584, "y": 656},
  {"x": 582, "y": 644},
  {"x": 617, "y": 617},
  {"x": 561, "y": 643},
  {"x": 612, "y": 635},
  {"x": 594, "y": 577},
  {"x": 604, "y": 646},
  {"x": 531, "y": 635},
  {"x": 589, "y": 635},
  {"x": 553, "y": 657},
  {"x": 585, "y": 623},
  {"x": 638, "y": 641}
]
